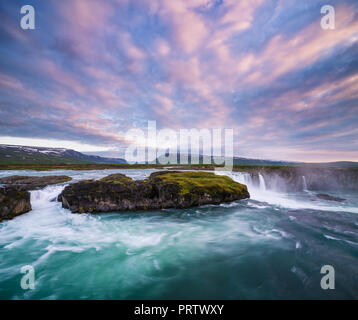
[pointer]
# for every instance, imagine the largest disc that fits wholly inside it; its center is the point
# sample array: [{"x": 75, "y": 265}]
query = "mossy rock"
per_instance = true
[
  {"x": 166, "y": 189},
  {"x": 116, "y": 178},
  {"x": 207, "y": 182},
  {"x": 13, "y": 203}
]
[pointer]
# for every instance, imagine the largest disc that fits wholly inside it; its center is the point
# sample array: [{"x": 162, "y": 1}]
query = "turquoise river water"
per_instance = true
[{"x": 271, "y": 246}]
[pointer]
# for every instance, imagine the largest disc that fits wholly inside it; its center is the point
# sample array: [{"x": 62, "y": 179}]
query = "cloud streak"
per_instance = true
[{"x": 94, "y": 69}]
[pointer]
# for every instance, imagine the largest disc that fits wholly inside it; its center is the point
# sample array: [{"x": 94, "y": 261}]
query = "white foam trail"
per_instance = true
[{"x": 331, "y": 238}]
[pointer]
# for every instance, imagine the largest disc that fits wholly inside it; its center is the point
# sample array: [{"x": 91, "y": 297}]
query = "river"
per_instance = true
[{"x": 271, "y": 246}]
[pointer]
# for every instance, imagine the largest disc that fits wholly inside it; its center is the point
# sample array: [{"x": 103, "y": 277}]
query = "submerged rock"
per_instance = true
[
  {"x": 32, "y": 183},
  {"x": 13, "y": 203},
  {"x": 165, "y": 189},
  {"x": 330, "y": 198}
]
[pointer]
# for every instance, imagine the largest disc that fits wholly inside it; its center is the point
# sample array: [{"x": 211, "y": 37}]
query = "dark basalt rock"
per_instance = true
[
  {"x": 24, "y": 183},
  {"x": 13, "y": 203},
  {"x": 330, "y": 198},
  {"x": 167, "y": 189}
]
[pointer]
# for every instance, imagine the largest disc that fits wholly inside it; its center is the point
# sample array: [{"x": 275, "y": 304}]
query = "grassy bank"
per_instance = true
[
  {"x": 92, "y": 166},
  {"x": 46, "y": 167}
]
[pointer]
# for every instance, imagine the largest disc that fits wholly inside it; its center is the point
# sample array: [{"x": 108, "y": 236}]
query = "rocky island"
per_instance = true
[{"x": 164, "y": 189}]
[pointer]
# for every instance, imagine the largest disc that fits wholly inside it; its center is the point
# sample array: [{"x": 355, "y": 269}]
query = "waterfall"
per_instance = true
[
  {"x": 242, "y": 177},
  {"x": 304, "y": 183},
  {"x": 44, "y": 197},
  {"x": 245, "y": 178},
  {"x": 262, "y": 183}
]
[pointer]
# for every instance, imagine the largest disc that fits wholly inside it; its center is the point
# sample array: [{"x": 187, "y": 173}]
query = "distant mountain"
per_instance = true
[
  {"x": 258, "y": 162},
  {"x": 10, "y": 154},
  {"x": 340, "y": 164},
  {"x": 265, "y": 162},
  {"x": 238, "y": 161}
]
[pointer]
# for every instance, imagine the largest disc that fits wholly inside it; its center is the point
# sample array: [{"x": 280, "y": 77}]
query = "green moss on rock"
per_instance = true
[
  {"x": 116, "y": 178},
  {"x": 165, "y": 189},
  {"x": 206, "y": 182},
  {"x": 63, "y": 179},
  {"x": 13, "y": 203}
]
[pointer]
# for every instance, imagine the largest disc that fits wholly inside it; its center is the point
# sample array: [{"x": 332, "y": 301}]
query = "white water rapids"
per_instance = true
[
  {"x": 286, "y": 200},
  {"x": 42, "y": 198},
  {"x": 232, "y": 250}
]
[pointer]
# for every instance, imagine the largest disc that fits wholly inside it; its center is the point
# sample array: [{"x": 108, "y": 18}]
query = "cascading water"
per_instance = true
[
  {"x": 242, "y": 177},
  {"x": 44, "y": 197},
  {"x": 262, "y": 182},
  {"x": 304, "y": 183},
  {"x": 163, "y": 254},
  {"x": 280, "y": 198}
]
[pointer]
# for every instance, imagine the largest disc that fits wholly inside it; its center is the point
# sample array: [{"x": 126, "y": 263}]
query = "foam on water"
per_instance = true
[
  {"x": 285, "y": 200},
  {"x": 43, "y": 198},
  {"x": 161, "y": 253}
]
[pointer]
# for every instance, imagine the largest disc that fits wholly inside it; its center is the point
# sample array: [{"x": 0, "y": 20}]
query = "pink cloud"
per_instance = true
[
  {"x": 188, "y": 28},
  {"x": 283, "y": 55}
]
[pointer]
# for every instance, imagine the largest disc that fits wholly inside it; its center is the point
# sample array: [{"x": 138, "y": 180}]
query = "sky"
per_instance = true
[{"x": 91, "y": 70}]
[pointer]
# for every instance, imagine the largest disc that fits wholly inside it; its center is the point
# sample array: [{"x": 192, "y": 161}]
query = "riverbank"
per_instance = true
[{"x": 288, "y": 178}]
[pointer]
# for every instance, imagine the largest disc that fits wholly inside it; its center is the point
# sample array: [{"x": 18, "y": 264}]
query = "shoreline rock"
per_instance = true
[
  {"x": 26, "y": 183},
  {"x": 164, "y": 189},
  {"x": 329, "y": 197},
  {"x": 13, "y": 203}
]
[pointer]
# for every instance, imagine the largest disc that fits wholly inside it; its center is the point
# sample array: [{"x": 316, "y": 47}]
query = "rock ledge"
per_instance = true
[
  {"x": 13, "y": 203},
  {"x": 31, "y": 182}
]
